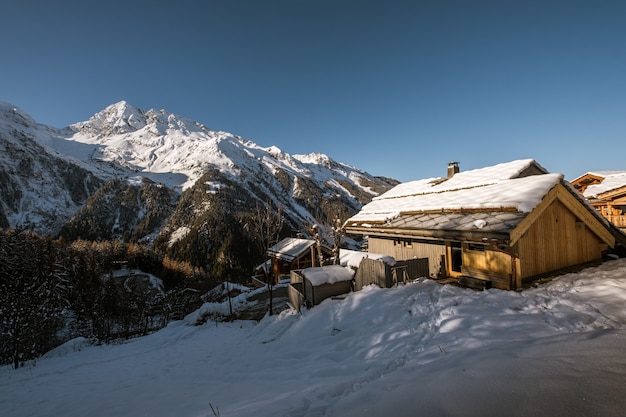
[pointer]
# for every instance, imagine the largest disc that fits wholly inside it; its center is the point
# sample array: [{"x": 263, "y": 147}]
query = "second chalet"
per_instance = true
[
  {"x": 606, "y": 191},
  {"x": 501, "y": 225}
]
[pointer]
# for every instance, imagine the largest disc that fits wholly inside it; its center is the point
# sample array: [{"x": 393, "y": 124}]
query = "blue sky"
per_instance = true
[{"x": 397, "y": 88}]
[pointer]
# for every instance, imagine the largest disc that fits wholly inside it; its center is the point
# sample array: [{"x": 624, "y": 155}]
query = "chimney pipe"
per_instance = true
[{"x": 453, "y": 168}]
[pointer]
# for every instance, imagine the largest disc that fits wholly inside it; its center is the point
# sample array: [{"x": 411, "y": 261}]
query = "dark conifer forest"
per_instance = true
[{"x": 51, "y": 291}]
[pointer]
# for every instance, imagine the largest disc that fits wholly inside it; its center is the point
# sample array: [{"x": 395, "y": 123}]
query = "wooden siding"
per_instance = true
[
  {"x": 491, "y": 265},
  {"x": 303, "y": 292},
  {"x": 583, "y": 213},
  {"x": 415, "y": 268},
  {"x": 557, "y": 239},
  {"x": 402, "y": 249},
  {"x": 317, "y": 294}
]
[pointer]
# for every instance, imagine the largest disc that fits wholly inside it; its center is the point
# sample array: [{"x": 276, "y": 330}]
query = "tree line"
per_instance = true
[{"x": 52, "y": 291}]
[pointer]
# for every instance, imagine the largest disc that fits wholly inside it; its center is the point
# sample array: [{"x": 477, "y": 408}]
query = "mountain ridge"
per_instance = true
[{"x": 123, "y": 141}]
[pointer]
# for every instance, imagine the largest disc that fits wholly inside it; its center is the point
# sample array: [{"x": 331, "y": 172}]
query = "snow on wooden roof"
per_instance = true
[
  {"x": 327, "y": 274},
  {"x": 492, "y": 189},
  {"x": 467, "y": 179},
  {"x": 601, "y": 174},
  {"x": 486, "y": 222},
  {"x": 290, "y": 248},
  {"x": 612, "y": 180},
  {"x": 520, "y": 194}
]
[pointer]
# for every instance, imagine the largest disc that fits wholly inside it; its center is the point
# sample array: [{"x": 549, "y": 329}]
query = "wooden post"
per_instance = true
[{"x": 514, "y": 283}]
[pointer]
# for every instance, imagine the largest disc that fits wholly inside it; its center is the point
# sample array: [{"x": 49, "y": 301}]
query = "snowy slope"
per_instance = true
[
  {"x": 417, "y": 350},
  {"x": 40, "y": 188},
  {"x": 124, "y": 141}
]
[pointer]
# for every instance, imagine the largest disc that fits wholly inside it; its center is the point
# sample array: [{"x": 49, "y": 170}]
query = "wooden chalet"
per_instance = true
[
  {"x": 294, "y": 253},
  {"x": 606, "y": 191},
  {"x": 497, "y": 226}
]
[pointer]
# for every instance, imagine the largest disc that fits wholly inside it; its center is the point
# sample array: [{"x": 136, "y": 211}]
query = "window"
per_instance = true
[{"x": 476, "y": 247}]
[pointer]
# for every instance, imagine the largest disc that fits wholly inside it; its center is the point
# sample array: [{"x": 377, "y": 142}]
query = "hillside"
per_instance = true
[
  {"x": 184, "y": 179},
  {"x": 420, "y": 349},
  {"x": 40, "y": 189}
]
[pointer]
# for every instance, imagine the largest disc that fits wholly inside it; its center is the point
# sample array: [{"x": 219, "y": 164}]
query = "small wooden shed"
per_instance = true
[
  {"x": 311, "y": 286},
  {"x": 504, "y": 224},
  {"x": 294, "y": 253}
]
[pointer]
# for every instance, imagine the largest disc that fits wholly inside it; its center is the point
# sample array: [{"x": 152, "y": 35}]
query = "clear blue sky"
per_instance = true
[{"x": 397, "y": 88}]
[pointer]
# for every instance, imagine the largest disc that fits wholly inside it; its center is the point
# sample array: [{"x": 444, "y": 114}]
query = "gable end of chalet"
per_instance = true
[{"x": 584, "y": 214}]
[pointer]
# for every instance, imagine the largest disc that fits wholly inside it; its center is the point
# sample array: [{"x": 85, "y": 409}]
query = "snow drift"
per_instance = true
[{"x": 420, "y": 349}]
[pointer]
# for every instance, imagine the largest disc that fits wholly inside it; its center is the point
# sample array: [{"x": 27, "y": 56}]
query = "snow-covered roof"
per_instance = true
[
  {"x": 353, "y": 258},
  {"x": 485, "y": 222},
  {"x": 327, "y": 274},
  {"x": 290, "y": 248},
  {"x": 463, "y": 180},
  {"x": 601, "y": 174},
  {"x": 491, "y": 199},
  {"x": 612, "y": 180}
]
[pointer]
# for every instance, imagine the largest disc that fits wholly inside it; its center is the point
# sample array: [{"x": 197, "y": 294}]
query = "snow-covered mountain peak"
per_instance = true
[
  {"x": 123, "y": 118},
  {"x": 115, "y": 119},
  {"x": 124, "y": 141},
  {"x": 276, "y": 152},
  {"x": 314, "y": 158},
  {"x": 11, "y": 113},
  {"x": 156, "y": 142}
]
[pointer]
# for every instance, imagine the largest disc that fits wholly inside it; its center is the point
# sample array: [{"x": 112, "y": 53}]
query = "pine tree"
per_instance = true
[{"x": 33, "y": 290}]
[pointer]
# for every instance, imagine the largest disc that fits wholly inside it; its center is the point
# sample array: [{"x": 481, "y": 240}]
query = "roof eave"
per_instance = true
[{"x": 439, "y": 234}]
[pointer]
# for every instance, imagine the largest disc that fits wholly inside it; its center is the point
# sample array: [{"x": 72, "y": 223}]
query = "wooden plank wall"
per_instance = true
[
  {"x": 321, "y": 292},
  {"x": 489, "y": 265},
  {"x": 372, "y": 271},
  {"x": 500, "y": 281},
  {"x": 410, "y": 249},
  {"x": 556, "y": 240},
  {"x": 416, "y": 268}
]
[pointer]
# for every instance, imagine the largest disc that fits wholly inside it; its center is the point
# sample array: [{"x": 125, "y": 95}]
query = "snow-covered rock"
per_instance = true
[{"x": 47, "y": 174}]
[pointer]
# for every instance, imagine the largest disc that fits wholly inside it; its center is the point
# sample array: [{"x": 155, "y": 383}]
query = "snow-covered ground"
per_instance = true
[{"x": 417, "y": 350}]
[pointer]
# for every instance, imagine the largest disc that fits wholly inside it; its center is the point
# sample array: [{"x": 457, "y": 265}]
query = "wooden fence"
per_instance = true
[
  {"x": 295, "y": 295},
  {"x": 372, "y": 271}
]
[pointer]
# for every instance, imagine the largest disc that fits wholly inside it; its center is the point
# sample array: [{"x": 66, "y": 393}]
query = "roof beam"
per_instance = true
[{"x": 428, "y": 234}]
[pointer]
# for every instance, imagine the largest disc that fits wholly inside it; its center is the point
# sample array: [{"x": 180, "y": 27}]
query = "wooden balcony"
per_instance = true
[{"x": 617, "y": 220}]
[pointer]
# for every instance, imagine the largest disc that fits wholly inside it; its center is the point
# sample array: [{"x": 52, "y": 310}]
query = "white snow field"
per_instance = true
[{"x": 422, "y": 349}]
